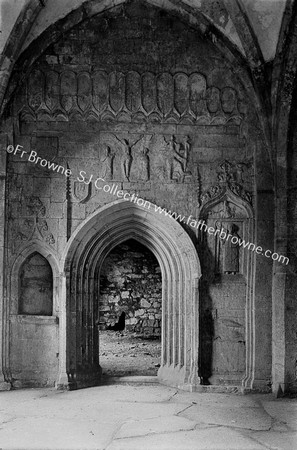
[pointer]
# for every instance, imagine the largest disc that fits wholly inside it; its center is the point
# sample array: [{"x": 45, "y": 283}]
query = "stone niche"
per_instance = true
[
  {"x": 36, "y": 287},
  {"x": 225, "y": 294},
  {"x": 131, "y": 282},
  {"x": 33, "y": 324}
]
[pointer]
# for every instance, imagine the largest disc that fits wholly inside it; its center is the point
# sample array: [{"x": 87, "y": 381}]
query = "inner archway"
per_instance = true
[
  {"x": 86, "y": 251},
  {"x": 130, "y": 312}
]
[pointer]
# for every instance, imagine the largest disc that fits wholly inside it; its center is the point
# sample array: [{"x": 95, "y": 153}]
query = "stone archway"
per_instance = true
[{"x": 178, "y": 259}]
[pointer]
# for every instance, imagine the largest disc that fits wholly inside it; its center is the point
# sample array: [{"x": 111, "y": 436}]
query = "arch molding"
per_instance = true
[{"x": 180, "y": 267}]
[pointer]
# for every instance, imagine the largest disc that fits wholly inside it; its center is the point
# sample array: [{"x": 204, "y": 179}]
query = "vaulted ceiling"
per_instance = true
[
  {"x": 239, "y": 20},
  {"x": 253, "y": 31}
]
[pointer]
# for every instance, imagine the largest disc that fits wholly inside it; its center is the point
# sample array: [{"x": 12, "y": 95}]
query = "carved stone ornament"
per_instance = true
[
  {"x": 81, "y": 191},
  {"x": 128, "y": 157},
  {"x": 163, "y": 97},
  {"x": 228, "y": 178},
  {"x": 174, "y": 164},
  {"x": 34, "y": 225}
]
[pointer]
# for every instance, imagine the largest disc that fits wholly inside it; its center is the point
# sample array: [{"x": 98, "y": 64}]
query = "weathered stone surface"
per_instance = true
[
  {"x": 139, "y": 98},
  {"x": 249, "y": 418},
  {"x": 206, "y": 439},
  {"x": 154, "y": 426},
  {"x": 129, "y": 267}
]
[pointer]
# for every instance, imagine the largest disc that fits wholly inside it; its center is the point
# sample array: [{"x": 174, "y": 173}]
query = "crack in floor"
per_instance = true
[
  {"x": 153, "y": 433},
  {"x": 185, "y": 409}
]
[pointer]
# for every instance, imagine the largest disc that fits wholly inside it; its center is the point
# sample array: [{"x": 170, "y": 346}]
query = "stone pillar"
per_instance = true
[
  {"x": 62, "y": 381},
  {"x": 194, "y": 379},
  {"x": 260, "y": 355},
  {"x": 278, "y": 333},
  {"x": 4, "y": 384},
  {"x": 284, "y": 311},
  {"x": 281, "y": 279}
]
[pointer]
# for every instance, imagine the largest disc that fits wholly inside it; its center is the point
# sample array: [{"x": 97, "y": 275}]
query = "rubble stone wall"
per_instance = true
[{"x": 131, "y": 282}]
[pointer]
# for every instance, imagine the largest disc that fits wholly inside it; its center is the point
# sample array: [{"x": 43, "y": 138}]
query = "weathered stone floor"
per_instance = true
[
  {"x": 146, "y": 417},
  {"x": 126, "y": 354}
]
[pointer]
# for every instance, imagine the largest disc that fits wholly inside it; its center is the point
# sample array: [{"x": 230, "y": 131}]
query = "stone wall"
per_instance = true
[
  {"x": 34, "y": 350},
  {"x": 140, "y": 99},
  {"x": 131, "y": 282}
]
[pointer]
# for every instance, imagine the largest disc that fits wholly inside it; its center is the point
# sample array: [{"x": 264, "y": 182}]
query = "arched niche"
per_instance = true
[
  {"x": 226, "y": 304},
  {"x": 35, "y": 286},
  {"x": 32, "y": 337},
  {"x": 25, "y": 252},
  {"x": 180, "y": 267},
  {"x": 221, "y": 211}
]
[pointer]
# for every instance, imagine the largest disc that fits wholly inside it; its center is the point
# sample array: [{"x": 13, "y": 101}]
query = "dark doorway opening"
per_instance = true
[{"x": 130, "y": 311}]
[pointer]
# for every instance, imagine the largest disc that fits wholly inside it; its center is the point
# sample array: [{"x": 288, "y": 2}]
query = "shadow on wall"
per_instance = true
[{"x": 206, "y": 325}]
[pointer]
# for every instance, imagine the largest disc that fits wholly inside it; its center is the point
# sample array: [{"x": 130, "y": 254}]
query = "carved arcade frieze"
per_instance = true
[{"x": 126, "y": 97}]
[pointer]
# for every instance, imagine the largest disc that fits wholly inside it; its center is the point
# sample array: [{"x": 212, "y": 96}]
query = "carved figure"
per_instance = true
[
  {"x": 144, "y": 165},
  {"x": 187, "y": 149},
  {"x": 179, "y": 159},
  {"x": 239, "y": 173},
  {"x": 127, "y": 157},
  {"x": 226, "y": 212},
  {"x": 107, "y": 164},
  {"x": 127, "y": 161}
]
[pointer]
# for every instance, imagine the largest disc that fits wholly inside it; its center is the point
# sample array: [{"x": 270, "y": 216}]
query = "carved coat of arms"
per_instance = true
[{"x": 81, "y": 191}]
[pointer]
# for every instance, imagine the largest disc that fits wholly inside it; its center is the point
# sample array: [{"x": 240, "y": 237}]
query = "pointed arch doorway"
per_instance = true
[{"x": 82, "y": 261}]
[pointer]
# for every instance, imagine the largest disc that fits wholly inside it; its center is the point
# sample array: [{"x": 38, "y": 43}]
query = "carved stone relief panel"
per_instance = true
[
  {"x": 230, "y": 178},
  {"x": 146, "y": 157},
  {"x": 29, "y": 194},
  {"x": 30, "y": 223},
  {"x": 123, "y": 157},
  {"x": 130, "y": 96}
]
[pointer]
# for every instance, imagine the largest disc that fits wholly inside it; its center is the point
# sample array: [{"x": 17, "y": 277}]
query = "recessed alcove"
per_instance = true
[{"x": 36, "y": 287}]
